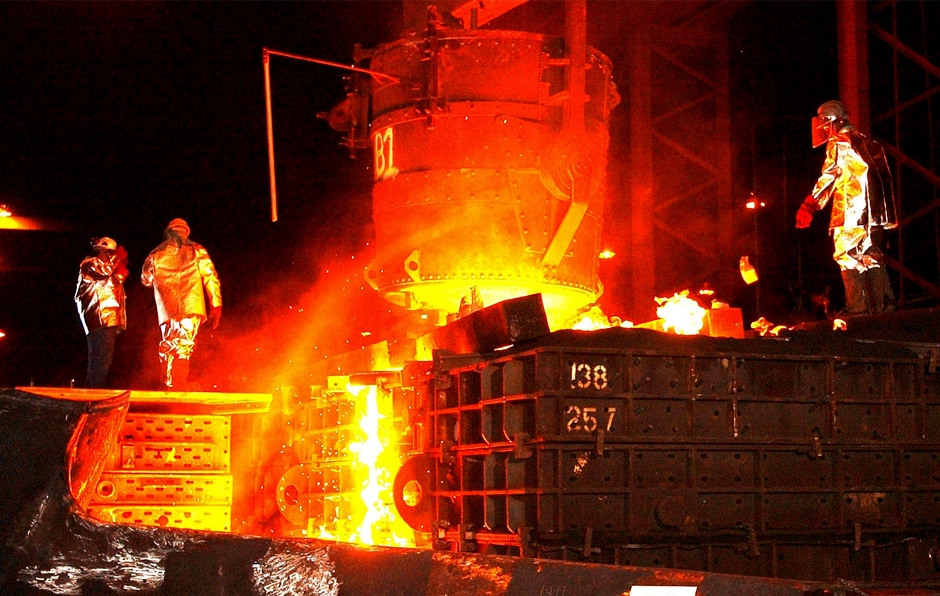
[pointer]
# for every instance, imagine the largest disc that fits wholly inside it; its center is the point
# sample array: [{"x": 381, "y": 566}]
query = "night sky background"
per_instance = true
[{"x": 117, "y": 117}]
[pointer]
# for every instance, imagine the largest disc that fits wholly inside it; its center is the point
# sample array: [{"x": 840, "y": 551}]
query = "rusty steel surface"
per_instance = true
[
  {"x": 503, "y": 324},
  {"x": 802, "y": 473},
  {"x": 811, "y": 456},
  {"x": 49, "y": 546}
]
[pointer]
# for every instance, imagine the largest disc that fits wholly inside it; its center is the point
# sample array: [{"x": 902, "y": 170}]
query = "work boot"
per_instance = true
[
  {"x": 855, "y": 299},
  {"x": 179, "y": 375},
  {"x": 879, "y": 284}
]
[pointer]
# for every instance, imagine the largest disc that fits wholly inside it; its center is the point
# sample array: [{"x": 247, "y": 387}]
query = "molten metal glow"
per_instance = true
[
  {"x": 378, "y": 462},
  {"x": 748, "y": 271},
  {"x": 681, "y": 314},
  {"x": 765, "y": 327},
  {"x": 595, "y": 319}
]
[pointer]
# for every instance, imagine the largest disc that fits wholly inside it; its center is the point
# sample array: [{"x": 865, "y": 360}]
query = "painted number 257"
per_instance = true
[{"x": 585, "y": 419}]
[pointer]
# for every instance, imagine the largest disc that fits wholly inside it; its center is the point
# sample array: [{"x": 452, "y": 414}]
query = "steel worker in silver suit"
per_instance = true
[
  {"x": 99, "y": 297},
  {"x": 857, "y": 181},
  {"x": 183, "y": 277}
]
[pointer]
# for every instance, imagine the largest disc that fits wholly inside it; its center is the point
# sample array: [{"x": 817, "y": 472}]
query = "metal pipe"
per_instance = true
[
  {"x": 375, "y": 74},
  {"x": 266, "y": 58}
]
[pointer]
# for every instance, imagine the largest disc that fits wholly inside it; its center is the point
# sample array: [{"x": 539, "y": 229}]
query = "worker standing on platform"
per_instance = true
[
  {"x": 99, "y": 297},
  {"x": 856, "y": 177},
  {"x": 182, "y": 275}
]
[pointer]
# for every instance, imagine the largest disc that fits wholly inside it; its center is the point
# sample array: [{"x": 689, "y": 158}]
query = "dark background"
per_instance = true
[{"x": 118, "y": 117}]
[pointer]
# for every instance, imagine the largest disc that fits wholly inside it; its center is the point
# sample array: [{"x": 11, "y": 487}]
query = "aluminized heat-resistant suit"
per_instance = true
[
  {"x": 857, "y": 181},
  {"x": 100, "y": 299},
  {"x": 182, "y": 277}
]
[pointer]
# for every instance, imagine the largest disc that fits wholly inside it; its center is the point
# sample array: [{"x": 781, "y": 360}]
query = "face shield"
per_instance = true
[
  {"x": 826, "y": 117},
  {"x": 822, "y": 128}
]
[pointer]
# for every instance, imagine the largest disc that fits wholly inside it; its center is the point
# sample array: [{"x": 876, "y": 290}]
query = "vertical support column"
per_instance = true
[
  {"x": 729, "y": 206},
  {"x": 854, "y": 87},
  {"x": 642, "y": 264},
  {"x": 576, "y": 38}
]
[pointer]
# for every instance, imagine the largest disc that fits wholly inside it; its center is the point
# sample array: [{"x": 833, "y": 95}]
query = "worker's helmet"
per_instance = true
[
  {"x": 832, "y": 111},
  {"x": 104, "y": 243},
  {"x": 830, "y": 117},
  {"x": 179, "y": 226}
]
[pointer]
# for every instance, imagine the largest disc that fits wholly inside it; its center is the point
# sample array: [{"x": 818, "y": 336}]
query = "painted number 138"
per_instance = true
[{"x": 585, "y": 376}]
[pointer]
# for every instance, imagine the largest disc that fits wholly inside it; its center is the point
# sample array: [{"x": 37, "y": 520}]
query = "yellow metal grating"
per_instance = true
[
  {"x": 135, "y": 488},
  {"x": 195, "y": 517},
  {"x": 173, "y": 443},
  {"x": 167, "y": 427}
]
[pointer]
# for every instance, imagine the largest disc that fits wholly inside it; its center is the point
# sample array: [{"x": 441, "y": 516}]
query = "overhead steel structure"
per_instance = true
[{"x": 895, "y": 43}]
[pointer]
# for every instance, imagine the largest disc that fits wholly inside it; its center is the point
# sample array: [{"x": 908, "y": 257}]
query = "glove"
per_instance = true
[
  {"x": 215, "y": 317},
  {"x": 120, "y": 266},
  {"x": 804, "y": 217}
]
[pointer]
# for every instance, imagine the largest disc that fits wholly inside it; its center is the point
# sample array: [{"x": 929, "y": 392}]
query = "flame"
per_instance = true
[
  {"x": 591, "y": 320},
  {"x": 594, "y": 319},
  {"x": 377, "y": 463},
  {"x": 682, "y": 314},
  {"x": 765, "y": 327}
]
